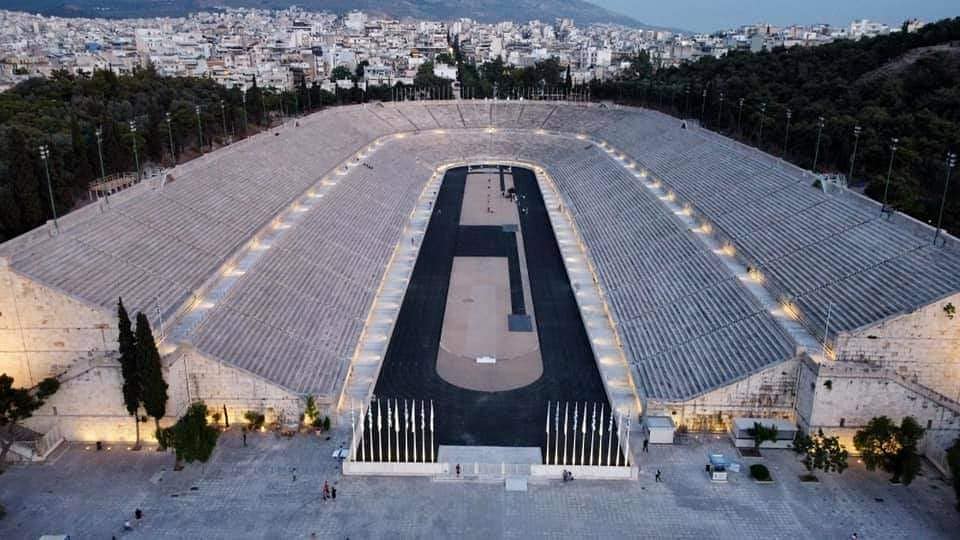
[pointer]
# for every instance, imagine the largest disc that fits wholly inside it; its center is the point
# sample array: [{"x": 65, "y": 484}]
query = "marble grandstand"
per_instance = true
[{"x": 736, "y": 287}]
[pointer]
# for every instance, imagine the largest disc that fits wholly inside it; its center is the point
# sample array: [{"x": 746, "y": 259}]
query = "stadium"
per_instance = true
[{"x": 494, "y": 267}]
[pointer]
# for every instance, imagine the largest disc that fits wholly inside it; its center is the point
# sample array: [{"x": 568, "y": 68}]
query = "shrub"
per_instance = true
[
  {"x": 216, "y": 417},
  {"x": 255, "y": 419},
  {"x": 760, "y": 473}
]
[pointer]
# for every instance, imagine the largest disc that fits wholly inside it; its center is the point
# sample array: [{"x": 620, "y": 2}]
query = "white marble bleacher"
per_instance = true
[{"x": 310, "y": 293}]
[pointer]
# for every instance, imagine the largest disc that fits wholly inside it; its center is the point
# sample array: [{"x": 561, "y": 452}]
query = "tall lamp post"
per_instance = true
[
  {"x": 853, "y": 156},
  {"x": 816, "y": 153},
  {"x": 703, "y": 105},
  {"x": 173, "y": 152},
  {"x": 196, "y": 109},
  {"x": 686, "y": 99},
  {"x": 786, "y": 137},
  {"x": 951, "y": 163},
  {"x": 223, "y": 116},
  {"x": 720, "y": 111},
  {"x": 740, "y": 116},
  {"x": 103, "y": 170},
  {"x": 136, "y": 155},
  {"x": 243, "y": 98},
  {"x": 45, "y": 157},
  {"x": 763, "y": 116},
  {"x": 886, "y": 186}
]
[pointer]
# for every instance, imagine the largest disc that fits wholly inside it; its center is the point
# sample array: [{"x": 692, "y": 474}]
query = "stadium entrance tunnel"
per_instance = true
[{"x": 466, "y": 413}]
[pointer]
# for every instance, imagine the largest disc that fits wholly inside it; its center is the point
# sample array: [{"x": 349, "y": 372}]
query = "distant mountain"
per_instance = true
[{"x": 580, "y": 11}]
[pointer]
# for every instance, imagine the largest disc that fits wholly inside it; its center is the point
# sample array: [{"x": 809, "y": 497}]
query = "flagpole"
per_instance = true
[
  {"x": 547, "y": 447},
  {"x": 566, "y": 412}
]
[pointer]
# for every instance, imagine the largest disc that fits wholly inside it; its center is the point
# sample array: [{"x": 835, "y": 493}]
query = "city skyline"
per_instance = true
[{"x": 713, "y": 15}]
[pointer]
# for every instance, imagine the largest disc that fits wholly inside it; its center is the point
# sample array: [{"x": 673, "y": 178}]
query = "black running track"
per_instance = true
[{"x": 468, "y": 417}]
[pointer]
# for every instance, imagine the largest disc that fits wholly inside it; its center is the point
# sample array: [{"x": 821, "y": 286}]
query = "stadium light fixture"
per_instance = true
[
  {"x": 853, "y": 156},
  {"x": 740, "y": 117},
  {"x": 196, "y": 109},
  {"x": 786, "y": 137},
  {"x": 951, "y": 163},
  {"x": 763, "y": 117},
  {"x": 45, "y": 158},
  {"x": 816, "y": 154},
  {"x": 886, "y": 187},
  {"x": 103, "y": 170},
  {"x": 136, "y": 154}
]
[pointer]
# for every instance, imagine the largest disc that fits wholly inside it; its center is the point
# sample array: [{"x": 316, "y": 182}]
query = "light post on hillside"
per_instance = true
[
  {"x": 703, "y": 105},
  {"x": 739, "y": 117},
  {"x": 816, "y": 153},
  {"x": 720, "y": 111},
  {"x": 886, "y": 186},
  {"x": 243, "y": 98},
  {"x": 786, "y": 137},
  {"x": 686, "y": 100},
  {"x": 853, "y": 156},
  {"x": 173, "y": 153},
  {"x": 951, "y": 163},
  {"x": 223, "y": 116},
  {"x": 103, "y": 170},
  {"x": 196, "y": 109},
  {"x": 45, "y": 157},
  {"x": 763, "y": 117},
  {"x": 136, "y": 155}
]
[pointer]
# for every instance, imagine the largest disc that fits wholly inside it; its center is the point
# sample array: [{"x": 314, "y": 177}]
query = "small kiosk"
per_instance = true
[
  {"x": 660, "y": 429},
  {"x": 717, "y": 466}
]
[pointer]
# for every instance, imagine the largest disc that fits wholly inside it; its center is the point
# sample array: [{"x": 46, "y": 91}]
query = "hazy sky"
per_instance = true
[{"x": 708, "y": 15}]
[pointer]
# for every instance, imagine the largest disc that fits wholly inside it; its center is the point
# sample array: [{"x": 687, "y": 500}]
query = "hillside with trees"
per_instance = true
[
  {"x": 903, "y": 85},
  {"x": 65, "y": 113}
]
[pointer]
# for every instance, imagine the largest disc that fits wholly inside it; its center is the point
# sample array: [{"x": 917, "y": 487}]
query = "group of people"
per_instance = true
[{"x": 329, "y": 492}]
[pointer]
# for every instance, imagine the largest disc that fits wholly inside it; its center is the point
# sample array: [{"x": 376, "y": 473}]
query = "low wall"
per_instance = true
[
  {"x": 394, "y": 469},
  {"x": 585, "y": 473}
]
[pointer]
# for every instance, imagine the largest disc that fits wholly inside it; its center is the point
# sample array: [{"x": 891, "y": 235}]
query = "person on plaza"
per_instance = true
[
  {"x": 138, "y": 513},
  {"x": 458, "y": 470},
  {"x": 658, "y": 476},
  {"x": 646, "y": 444},
  {"x": 326, "y": 490},
  {"x": 244, "y": 437},
  {"x": 333, "y": 492}
]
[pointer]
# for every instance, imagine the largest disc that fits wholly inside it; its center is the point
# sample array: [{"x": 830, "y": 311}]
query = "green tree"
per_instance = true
[
  {"x": 761, "y": 434},
  {"x": 191, "y": 438},
  {"x": 885, "y": 445},
  {"x": 953, "y": 461},
  {"x": 151, "y": 372},
  {"x": 341, "y": 73},
  {"x": 129, "y": 368},
  {"x": 821, "y": 452},
  {"x": 18, "y": 404}
]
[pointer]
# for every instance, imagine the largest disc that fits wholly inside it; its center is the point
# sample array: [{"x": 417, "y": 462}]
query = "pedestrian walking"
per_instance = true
[
  {"x": 658, "y": 476},
  {"x": 244, "y": 437},
  {"x": 458, "y": 470},
  {"x": 293, "y": 473},
  {"x": 646, "y": 444},
  {"x": 326, "y": 490},
  {"x": 333, "y": 492}
]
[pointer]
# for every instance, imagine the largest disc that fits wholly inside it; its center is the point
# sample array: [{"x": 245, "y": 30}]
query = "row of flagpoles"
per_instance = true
[
  {"x": 562, "y": 442},
  {"x": 399, "y": 441}
]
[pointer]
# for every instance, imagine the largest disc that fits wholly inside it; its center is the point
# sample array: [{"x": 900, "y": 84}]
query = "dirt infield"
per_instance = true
[{"x": 475, "y": 325}]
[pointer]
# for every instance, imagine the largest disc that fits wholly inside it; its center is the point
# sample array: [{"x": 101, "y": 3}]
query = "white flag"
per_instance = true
[
  {"x": 431, "y": 415},
  {"x": 548, "y": 418},
  {"x": 396, "y": 416},
  {"x": 423, "y": 414}
]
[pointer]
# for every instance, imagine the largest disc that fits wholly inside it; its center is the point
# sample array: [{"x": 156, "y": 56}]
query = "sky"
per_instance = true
[{"x": 709, "y": 15}]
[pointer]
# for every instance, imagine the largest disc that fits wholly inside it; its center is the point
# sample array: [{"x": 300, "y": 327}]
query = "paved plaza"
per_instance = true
[{"x": 251, "y": 493}]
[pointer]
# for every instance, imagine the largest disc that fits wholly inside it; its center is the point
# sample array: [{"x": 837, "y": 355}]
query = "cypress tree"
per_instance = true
[
  {"x": 151, "y": 372},
  {"x": 129, "y": 367}
]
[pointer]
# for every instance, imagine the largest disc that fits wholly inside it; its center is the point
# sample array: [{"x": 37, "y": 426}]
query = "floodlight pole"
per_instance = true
[
  {"x": 103, "y": 170},
  {"x": 951, "y": 163},
  {"x": 243, "y": 98},
  {"x": 786, "y": 137},
  {"x": 223, "y": 116},
  {"x": 763, "y": 117},
  {"x": 173, "y": 152},
  {"x": 853, "y": 156},
  {"x": 703, "y": 106},
  {"x": 720, "y": 111},
  {"x": 739, "y": 117},
  {"x": 136, "y": 155},
  {"x": 816, "y": 153},
  {"x": 886, "y": 186},
  {"x": 196, "y": 109},
  {"x": 44, "y": 157}
]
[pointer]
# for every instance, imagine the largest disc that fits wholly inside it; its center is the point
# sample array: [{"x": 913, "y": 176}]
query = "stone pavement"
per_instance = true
[{"x": 251, "y": 493}]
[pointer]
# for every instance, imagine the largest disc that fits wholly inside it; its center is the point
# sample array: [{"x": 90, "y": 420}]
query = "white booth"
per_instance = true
[{"x": 659, "y": 429}]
